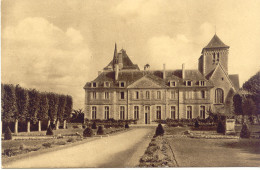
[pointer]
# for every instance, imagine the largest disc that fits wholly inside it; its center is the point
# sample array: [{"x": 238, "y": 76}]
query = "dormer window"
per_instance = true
[
  {"x": 202, "y": 83},
  {"x": 172, "y": 83},
  {"x": 106, "y": 84},
  {"x": 94, "y": 84},
  {"x": 188, "y": 83},
  {"x": 121, "y": 84}
]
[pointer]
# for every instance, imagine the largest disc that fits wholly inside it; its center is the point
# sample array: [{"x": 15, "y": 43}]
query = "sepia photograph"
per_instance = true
[{"x": 130, "y": 83}]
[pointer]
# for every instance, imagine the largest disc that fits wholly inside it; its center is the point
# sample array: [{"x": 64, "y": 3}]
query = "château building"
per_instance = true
[{"x": 123, "y": 91}]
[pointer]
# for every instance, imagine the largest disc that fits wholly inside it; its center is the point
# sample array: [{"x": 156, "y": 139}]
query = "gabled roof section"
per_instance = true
[
  {"x": 215, "y": 42},
  {"x": 148, "y": 81},
  {"x": 235, "y": 80}
]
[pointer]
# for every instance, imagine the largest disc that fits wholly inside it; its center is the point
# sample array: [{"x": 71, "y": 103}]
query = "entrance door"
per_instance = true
[{"x": 147, "y": 115}]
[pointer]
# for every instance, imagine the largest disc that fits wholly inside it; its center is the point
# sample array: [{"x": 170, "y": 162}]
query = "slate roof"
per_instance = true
[
  {"x": 127, "y": 63},
  {"x": 235, "y": 80},
  {"x": 130, "y": 76},
  {"x": 215, "y": 42}
]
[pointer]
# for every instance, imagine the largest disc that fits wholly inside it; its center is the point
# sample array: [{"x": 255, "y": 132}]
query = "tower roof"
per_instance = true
[{"x": 215, "y": 42}]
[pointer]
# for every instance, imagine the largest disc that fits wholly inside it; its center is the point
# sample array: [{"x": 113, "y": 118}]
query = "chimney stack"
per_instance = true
[
  {"x": 116, "y": 72},
  {"x": 164, "y": 74},
  {"x": 183, "y": 71}
]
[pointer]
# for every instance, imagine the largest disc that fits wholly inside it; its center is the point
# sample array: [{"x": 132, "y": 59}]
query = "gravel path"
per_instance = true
[{"x": 121, "y": 150}]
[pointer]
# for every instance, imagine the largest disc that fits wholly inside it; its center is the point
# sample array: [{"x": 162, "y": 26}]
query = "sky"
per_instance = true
[{"x": 59, "y": 45}]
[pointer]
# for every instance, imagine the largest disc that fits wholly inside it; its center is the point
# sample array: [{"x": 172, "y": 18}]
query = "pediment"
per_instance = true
[{"x": 145, "y": 82}]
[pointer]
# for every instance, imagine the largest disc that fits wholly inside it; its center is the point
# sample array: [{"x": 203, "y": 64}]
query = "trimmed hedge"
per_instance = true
[
  {"x": 8, "y": 134},
  {"x": 49, "y": 131},
  {"x": 88, "y": 132},
  {"x": 100, "y": 130},
  {"x": 159, "y": 130},
  {"x": 221, "y": 127},
  {"x": 245, "y": 132}
]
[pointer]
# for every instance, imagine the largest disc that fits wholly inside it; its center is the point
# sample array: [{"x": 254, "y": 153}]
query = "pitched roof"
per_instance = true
[
  {"x": 127, "y": 63},
  {"x": 235, "y": 80},
  {"x": 215, "y": 42}
]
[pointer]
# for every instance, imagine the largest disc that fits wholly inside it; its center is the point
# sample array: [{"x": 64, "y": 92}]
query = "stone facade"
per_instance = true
[{"x": 123, "y": 91}]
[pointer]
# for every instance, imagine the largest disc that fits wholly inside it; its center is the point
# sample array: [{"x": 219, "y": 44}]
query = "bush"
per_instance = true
[
  {"x": 49, "y": 131},
  {"x": 61, "y": 143},
  {"x": 94, "y": 125},
  {"x": 245, "y": 133},
  {"x": 88, "y": 132},
  {"x": 47, "y": 145},
  {"x": 100, "y": 130},
  {"x": 71, "y": 140},
  {"x": 197, "y": 124},
  {"x": 220, "y": 127},
  {"x": 159, "y": 130},
  {"x": 126, "y": 126},
  {"x": 8, "y": 134}
]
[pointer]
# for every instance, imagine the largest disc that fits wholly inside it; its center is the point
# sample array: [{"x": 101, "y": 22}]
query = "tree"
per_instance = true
[
  {"x": 43, "y": 109},
  {"x": 78, "y": 116},
  {"x": 237, "y": 103},
  {"x": 8, "y": 102},
  {"x": 68, "y": 109},
  {"x": 33, "y": 107},
  {"x": 22, "y": 105},
  {"x": 61, "y": 109},
  {"x": 53, "y": 106},
  {"x": 249, "y": 107}
]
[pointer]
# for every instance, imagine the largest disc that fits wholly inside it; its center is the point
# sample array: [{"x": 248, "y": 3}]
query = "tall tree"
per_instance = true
[
  {"x": 237, "y": 103},
  {"x": 43, "y": 109},
  {"x": 61, "y": 109},
  {"x": 53, "y": 102},
  {"x": 8, "y": 102},
  {"x": 249, "y": 107},
  {"x": 33, "y": 107},
  {"x": 68, "y": 109},
  {"x": 22, "y": 105}
]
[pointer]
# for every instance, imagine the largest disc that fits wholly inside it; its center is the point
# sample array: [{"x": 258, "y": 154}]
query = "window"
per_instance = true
[
  {"x": 189, "y": 112},
  {"x": 106, "y": 95},
  {"x": 158, "y": 112},
  {"x": 202, "y": 83},
  {"x": 94, "y": 84},
  {"x": 158, "y": 94},
  {"x": 219, "y": 96},
  {"x": 188, "y": 94},
  {"x": 214, "y": 57},
  {"x": 137, "y": 95},
  {"x": 173, "y": 111},
  {"x": 122, "y": 95},
  {"x": 106, "y": 112},
  {"x": 106, "y": 84},
  {"x": 122, "y": 112},
  {"x": 147, "y": 95},
  {"x": 94, "y": 112},
  {"x": 188, "y": 83},
  {"x": 172, "y": 83},
  {"x": 202, "y": 94},
  {"x": 122, "y": 84},
  {"x": 202, "y": 112},
  {"x": 217, "y": 57},
  {"x": 174, "y": 94},
  {"x": 94, "y": 95},
  {"x": 136, "y": 112}
]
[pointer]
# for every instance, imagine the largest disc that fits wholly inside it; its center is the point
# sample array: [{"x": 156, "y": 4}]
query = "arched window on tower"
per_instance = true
[
  {"x": 214, "y": 57},
  {"x": 217, "y": 57},
  {"x": 219, "y": 96}
]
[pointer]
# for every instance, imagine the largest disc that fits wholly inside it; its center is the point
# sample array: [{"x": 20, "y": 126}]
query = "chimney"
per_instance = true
[
  {"x": 183, "y": 71},
  {"x": 116, "y": 71},
  {"x": 99, "y": 72},
  {"x": 164, "y": 74}
]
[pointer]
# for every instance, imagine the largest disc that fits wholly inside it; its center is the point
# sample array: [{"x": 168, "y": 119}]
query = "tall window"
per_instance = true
[
  {"x": 188, "y": 83},
  {"x": 189, "y": 112},
  {"x": 158, "y": 112},
  {"x": 136, "y": 112},
  {"x": 219, "y": 96},
  {"x": 137, "y": 95},
  {"x": 202, "y": 94},
  {"x": 122, "y": 95},
  {"x": 122, "y": 112},
  {"x": 147, "y": 94},
  {"x": 94, "y": 95},
  {"x": 202, "y": 112},
  {"x": 94, "y": 84},
  {"x": 214, "y": 58},
  {"x": 106, "y": 95},
  {"x": 202, "y": 83},
  {"x": 158, "y": 94},
  {"x": 188, "y": 94},
  {"x": 174, "y": 94},
  {"x": 173, "y": 112},
  {"x": 217, "y": 57},
  {"x": 94, "y": 112},
  {"x": 106, "y": 112}
]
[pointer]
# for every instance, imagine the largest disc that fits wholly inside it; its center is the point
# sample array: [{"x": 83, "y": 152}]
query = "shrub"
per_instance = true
[
  {"x": 197, "y": 124},
  {"x": 220, "y": 127},
  {"x": 94, "y": 125},
  {"x": 88, "y": 132},
  {"x": 49, "y": 131},
  {"x": 8, "y": 134},
  {"x": 245, "y": 133},
  {"x": 159, "y": 130},
  {"x": 9, "y": 152},
  {"x": 47, "y": 145},
  {"x": 61, "y": 143},
  {"x": 71, "y": 140},
  {"x": 100, "y": 130},
  {"x": 126, "y": 126}
]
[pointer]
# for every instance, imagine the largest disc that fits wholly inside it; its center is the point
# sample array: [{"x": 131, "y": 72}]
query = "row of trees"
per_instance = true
[{"x": 30, "y": 105}]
